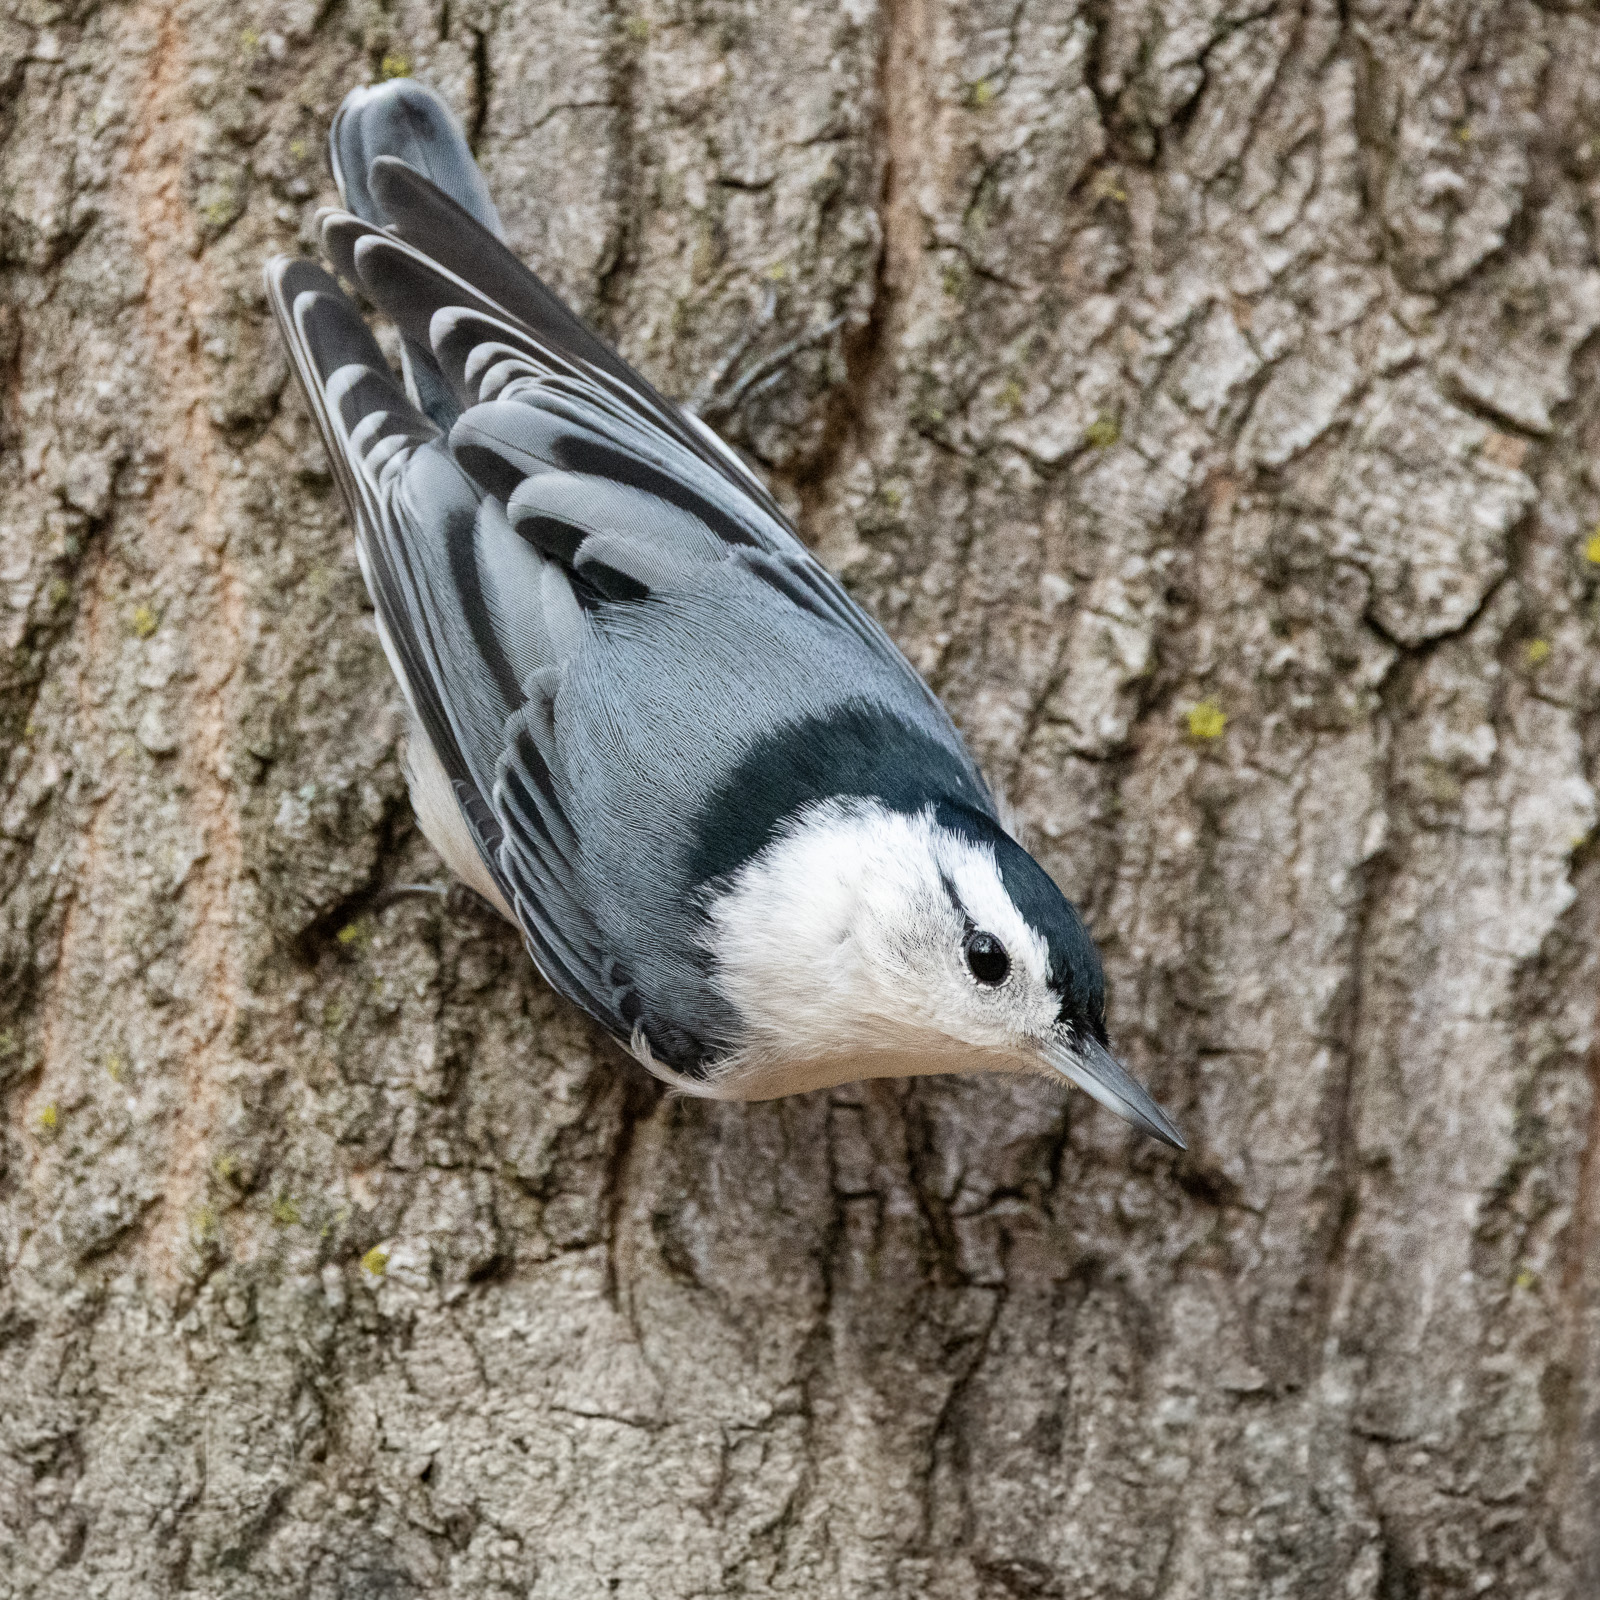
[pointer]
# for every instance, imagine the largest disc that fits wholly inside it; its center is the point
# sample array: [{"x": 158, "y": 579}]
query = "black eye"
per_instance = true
[{"x": 987, "y": 960}]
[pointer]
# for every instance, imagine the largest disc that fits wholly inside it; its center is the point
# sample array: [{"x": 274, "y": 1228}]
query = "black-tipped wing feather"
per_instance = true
[{"x": 460, "y": 600}]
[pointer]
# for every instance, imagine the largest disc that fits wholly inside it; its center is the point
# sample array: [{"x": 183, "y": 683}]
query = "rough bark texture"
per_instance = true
[{"x": 1204, "y": 392}]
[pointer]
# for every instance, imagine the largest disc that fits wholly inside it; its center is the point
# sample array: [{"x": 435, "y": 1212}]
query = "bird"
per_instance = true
[{"x": 731, "y": 821}]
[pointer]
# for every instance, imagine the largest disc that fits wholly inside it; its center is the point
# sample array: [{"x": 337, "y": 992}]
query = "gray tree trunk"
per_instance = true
[{"x": 1204, "y": 393}]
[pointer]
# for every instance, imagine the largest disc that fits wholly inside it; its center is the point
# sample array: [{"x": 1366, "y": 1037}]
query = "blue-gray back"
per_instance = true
[{"x": 695, "y": 723}]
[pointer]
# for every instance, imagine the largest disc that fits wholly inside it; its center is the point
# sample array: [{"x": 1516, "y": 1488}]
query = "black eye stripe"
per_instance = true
[{"x": 949, "y": 887}]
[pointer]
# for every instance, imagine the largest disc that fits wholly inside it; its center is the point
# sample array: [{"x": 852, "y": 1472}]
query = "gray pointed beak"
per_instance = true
[{"x": 1096, "y": 1071}]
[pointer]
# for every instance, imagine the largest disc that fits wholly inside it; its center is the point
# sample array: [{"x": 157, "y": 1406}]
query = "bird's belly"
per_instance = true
[{"x": 770, "y": 1078}]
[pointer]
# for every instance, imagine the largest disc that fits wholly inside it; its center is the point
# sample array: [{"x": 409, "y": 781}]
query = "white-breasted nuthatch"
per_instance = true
[{"x": 731, "y": 821}]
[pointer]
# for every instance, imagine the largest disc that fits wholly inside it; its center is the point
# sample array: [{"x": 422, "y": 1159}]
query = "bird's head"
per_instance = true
[{"x": 866, "y": 942}]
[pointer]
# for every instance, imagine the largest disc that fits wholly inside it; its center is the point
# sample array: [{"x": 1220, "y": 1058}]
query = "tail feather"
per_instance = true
[
  {"x": 410, "y": 123},
  {"x": 430, "y": 222},
  {"x": 405, "y": 122}
]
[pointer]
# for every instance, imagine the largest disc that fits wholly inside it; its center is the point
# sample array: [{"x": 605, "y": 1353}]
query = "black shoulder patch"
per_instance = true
[{"x": 860, "y": 750}]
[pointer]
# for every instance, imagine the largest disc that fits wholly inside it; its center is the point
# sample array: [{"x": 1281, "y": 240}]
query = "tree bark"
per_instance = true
[{"x": 1204, "y": 395}]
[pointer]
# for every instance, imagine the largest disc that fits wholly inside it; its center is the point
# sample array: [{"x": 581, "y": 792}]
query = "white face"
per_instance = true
[{"x": 852, "y": 937}]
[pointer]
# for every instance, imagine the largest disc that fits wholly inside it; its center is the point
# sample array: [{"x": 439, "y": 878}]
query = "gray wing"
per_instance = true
[
  {"x": 467, "y": 612},
  {"x": 524, "y": 485}
]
